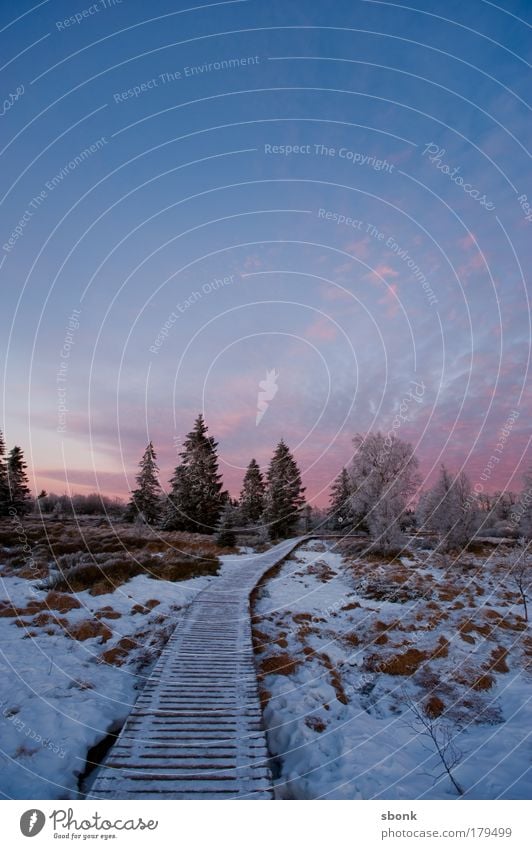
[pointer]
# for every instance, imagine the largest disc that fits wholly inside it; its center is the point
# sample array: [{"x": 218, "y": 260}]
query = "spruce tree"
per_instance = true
[
  {"x": 195, "y": 501},
  {"x": 225, "y": 532},
  {"x": 146, "y": 499},
  {"x": 252, "y": 494},
  {"x": 17, "y": 481},
  {"x": 284, "y": 494},
  {"x": 4, "y": 490},
  {"x": 340, "y": 512}
]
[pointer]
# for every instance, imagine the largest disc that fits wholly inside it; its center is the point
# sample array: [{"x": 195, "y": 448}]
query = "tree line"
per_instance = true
[
  {"x": 198, "y": 503},
  {"x": 374, "y": 494}
]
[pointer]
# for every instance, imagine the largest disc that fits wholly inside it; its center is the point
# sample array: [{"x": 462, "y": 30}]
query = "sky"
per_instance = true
[{"x": 324, "y": 209}]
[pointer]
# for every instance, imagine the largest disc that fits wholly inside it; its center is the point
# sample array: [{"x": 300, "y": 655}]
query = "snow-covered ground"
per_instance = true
[
  {"x": 342, "y": 645},
  {"x": 345, "y": 647},
  {"x": 62, "y": 693}
]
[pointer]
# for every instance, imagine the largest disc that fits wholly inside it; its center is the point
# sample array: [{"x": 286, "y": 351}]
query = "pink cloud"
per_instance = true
[
  {"x": 321, "y": 330},
  {"x": 381, "y": 272},
  {"x": 359, "y": 248},
  {"x": 467, "y": 242}
]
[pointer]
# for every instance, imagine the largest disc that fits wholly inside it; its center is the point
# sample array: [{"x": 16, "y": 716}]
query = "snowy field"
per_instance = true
[
  {"x": 345, "y": 647},
  {"x": 71, "y": 667}
]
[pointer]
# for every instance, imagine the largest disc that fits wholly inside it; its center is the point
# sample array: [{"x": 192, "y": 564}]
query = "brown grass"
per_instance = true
[
  {"x": 260, "y": 640},
  {"x": 497, "y": 660},
  {"x": 264, "y": 697},
  {"x": 118, "y": 654},
  {"x": 483, "y": 682},
  {"x": 89, "y": 629},
  {"x": 315, "y": 723},
  {"x": 335, "y": 677},
  {"x": 107, "y": 613},
  {"x": 400, "y": 664},
  {"x": 434, "y": 707},
  {"x": 61, "y": 602},
  {"x": 302, "y": 617},
  {"x": 279, "y": 664}
]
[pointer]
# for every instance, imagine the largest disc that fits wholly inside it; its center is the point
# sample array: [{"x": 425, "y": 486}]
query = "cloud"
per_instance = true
[
  {"x": 381, "y": 272},
  {"x": 321, "y": 330}
]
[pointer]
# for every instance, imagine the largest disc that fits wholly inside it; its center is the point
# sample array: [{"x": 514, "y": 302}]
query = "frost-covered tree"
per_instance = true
[
  {"x": 522, "y": 511},
  {"x": 284, "y": 493},
  {"x": 145, "y": 501},
  {"x": 225, "y": 532},
  {"x": 19, "y": 497},
  {"x": 4, "y": 490},
  {"x": 384, "y": 478},
  {"x": 252, "y": 495},
  {"x": 449, "y": 510},
  {"x": 196, "y": 500},
  {"x": 340, "y": 512}
]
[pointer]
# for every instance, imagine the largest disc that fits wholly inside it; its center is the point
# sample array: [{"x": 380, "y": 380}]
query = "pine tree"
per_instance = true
[
  {"x": 4, "y": 490},
  {"x": 196, "y": 500},
  {"x": 225, "y": 533},
  {"x": 17, "y": 481},
  {"x": 340, "y": 512},
  {"x": 284, "y": 494},
  {"x": 252, "y": 494},
  {"x": 146, "y": 499}
]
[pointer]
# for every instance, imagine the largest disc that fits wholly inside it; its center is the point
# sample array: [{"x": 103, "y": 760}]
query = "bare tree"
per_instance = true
[
  {"x": 442, "y": 738},
  {"x": 521, "y": 573}
]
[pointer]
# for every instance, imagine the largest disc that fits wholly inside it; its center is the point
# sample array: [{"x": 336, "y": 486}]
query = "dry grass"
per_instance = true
[
  {"x": 279, "y": 664},
  {"x": 321, "y": 571},
  {"x": 335, "y": 677},
  {"x": 117, "y": 655},
  {"x": 315, "y": 723},
  {"x": 497, "y": 661},
  {"x": 89, "y": 629},
  {"x": 434, "y": 707},
  {"x": 100, "y": 556}
]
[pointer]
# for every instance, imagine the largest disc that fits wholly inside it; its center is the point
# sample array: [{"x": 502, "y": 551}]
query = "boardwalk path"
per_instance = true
[{"x": 195, "y": 731}]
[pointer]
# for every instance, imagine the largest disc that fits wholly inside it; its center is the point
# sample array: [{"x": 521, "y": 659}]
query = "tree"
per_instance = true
[
  {"x": 449, "y": 510},
  {"x": 17, "y": 482},
  {"x": 383, "y": 479},
  {"x": 252, "y": 495},
  {"x": 4, "y": 489},
  {"x": 146, "y": 499},
  {"x": 226, "y": 535},
  {"x": 195, "y": 501},
  {"x": 522, "y": 512},
  {"x": 442, "y": 738},
  {"x": 340, "y": 513},
  {"x": 522, "y": 573},
  {"x": 284, "y": 493}
]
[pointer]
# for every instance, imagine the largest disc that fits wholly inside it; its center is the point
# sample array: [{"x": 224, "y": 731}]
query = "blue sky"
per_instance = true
[{"x": 295, "y": 202}]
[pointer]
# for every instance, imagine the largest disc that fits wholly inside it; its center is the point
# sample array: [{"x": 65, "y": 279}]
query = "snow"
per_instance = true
[
  {"x": 369, "y": 747},
  {"x": 338, "y": 726},
  {"x": 58, "y": 698}
]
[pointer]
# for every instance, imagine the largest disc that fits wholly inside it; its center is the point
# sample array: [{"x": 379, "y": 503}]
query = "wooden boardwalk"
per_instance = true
[{"x": 195, "y": 732}]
